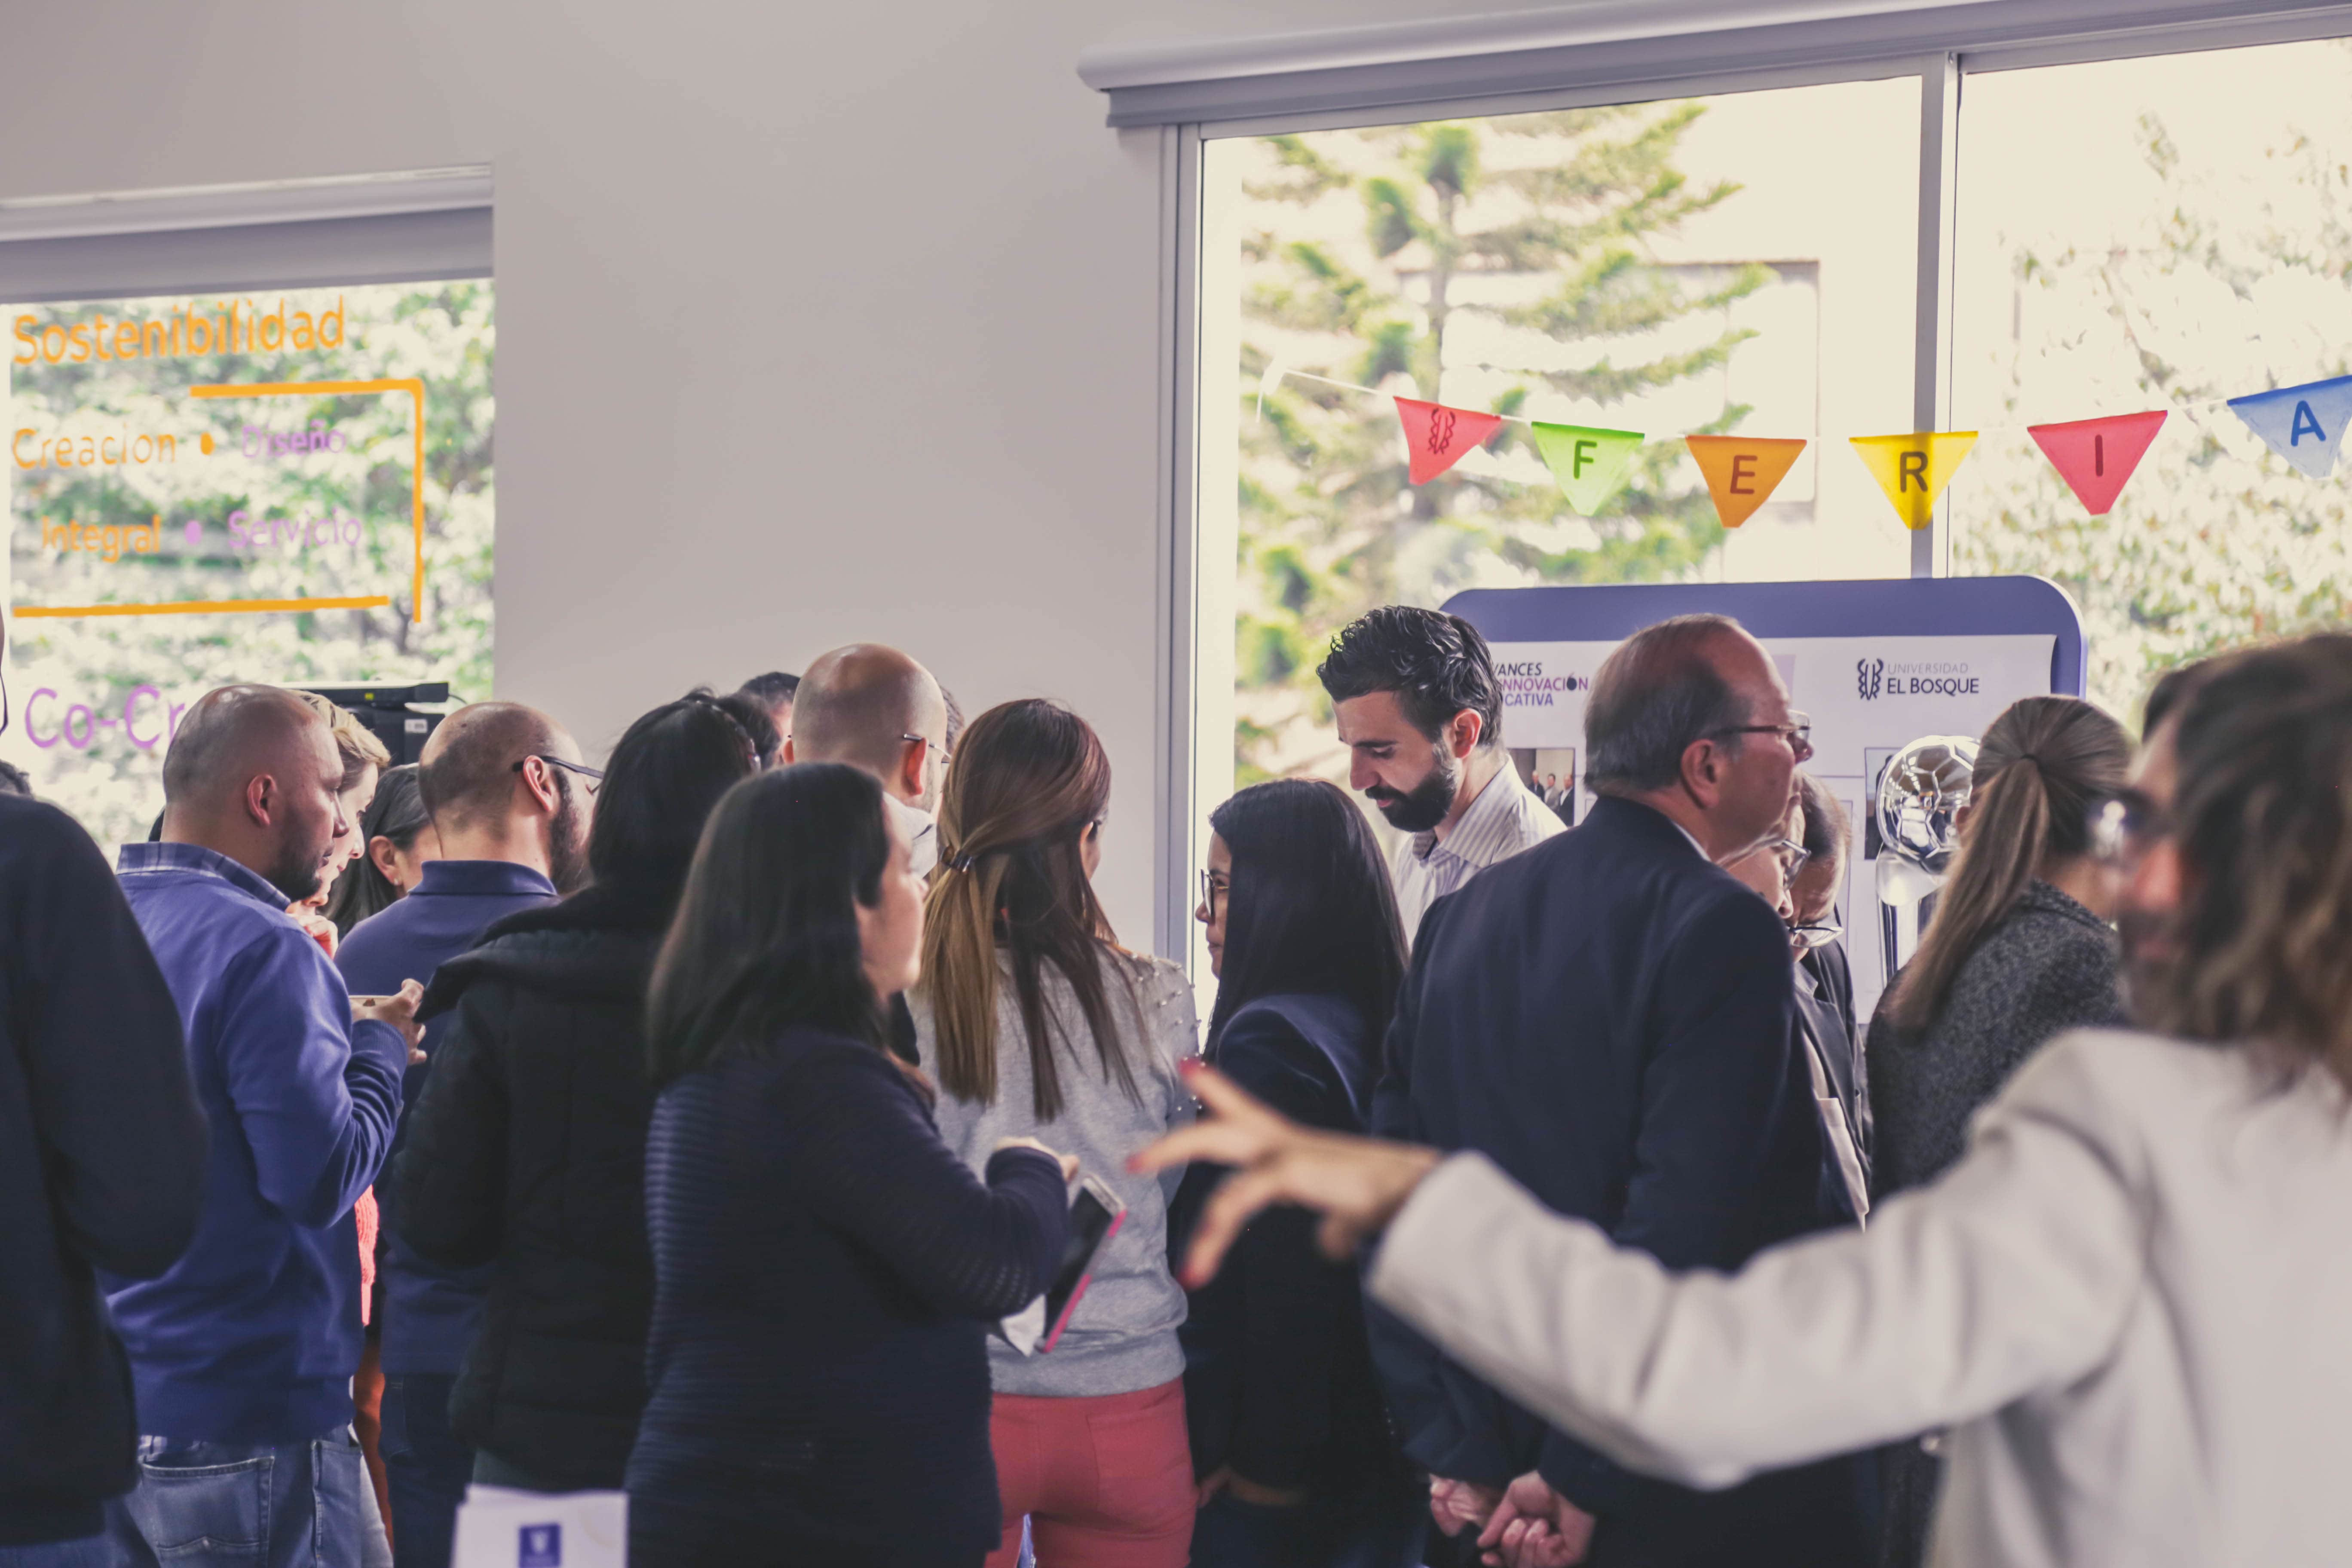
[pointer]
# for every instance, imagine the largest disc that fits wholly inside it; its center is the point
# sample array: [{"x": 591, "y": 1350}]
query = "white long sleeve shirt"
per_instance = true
[{"x": 2132, "y": 1303}]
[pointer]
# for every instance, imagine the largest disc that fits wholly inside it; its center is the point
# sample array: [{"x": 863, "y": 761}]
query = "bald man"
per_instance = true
[
  {"x": 874, "y": 708},
  {"x": 242, "y": 1353},
  {"x": 508, "y": 796}
]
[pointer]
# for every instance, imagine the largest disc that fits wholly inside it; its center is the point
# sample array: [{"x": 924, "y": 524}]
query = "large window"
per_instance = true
[
  {"x": 1742, "y": 262},
  {"x": 2162, "y": 232},
  {"x": 291, "y": 486},
  {"x": 2155, "y": 233}
]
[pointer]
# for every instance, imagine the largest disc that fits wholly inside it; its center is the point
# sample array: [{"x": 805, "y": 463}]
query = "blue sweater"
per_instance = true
[
  {"x": 253, "y": 1336},
  {"x": 429, "y": 1313}
]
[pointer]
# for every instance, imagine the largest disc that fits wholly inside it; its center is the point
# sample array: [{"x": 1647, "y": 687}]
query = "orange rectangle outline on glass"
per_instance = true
[{"x": 415, "y": 387}]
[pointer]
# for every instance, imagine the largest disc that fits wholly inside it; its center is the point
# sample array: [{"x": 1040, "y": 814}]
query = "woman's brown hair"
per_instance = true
[
  {"x": 2041, "y": 767},
  {"x": 2261, "y": 946},
  {"x": 1029, "y": 782}
]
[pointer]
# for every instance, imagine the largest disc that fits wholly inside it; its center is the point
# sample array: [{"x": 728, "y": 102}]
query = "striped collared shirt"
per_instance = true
[{"x": 1505, "y": 819}]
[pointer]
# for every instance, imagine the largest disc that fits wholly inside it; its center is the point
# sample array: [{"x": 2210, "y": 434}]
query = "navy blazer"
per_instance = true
[
  {"x": 1610, "y": 1017},
  {"x": 1278, "y": 1378}
]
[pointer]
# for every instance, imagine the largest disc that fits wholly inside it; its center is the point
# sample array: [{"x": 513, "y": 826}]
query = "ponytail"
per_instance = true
[{"x": 2040, "y": 768}]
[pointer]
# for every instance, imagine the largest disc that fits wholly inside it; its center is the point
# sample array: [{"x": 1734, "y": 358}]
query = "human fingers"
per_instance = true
[
  {"x": 1069, "y": 1167},
  {"x": 1224, "y": 1143},
  {"x": 1236, "y": 1199},
  {"x": 1506, "y": 1512}
]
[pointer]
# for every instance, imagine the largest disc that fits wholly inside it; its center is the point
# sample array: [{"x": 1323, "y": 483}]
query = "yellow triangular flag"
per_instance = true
[{"x": 1913, "y": 469}]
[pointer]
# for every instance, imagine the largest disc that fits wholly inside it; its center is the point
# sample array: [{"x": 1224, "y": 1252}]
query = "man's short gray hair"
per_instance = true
[{"x": 1655, "y": 696}]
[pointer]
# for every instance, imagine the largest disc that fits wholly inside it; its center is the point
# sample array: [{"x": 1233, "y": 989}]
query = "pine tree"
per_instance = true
[{"x": 1536, "y": 224}]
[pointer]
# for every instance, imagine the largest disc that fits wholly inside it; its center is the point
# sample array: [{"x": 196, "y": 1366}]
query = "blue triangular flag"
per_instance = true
[{"x": 2304, "y": 423}]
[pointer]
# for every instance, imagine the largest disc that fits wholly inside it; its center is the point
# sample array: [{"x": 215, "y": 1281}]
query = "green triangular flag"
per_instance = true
[{"x": 1591, "y": 463}]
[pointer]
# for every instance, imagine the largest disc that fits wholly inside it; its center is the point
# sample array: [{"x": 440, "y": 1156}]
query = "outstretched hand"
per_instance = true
[{"x": 1358, "y": 1184}]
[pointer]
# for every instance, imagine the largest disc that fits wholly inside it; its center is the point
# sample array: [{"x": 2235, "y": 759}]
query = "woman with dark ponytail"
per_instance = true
[{"x": 2019, "y": 950}]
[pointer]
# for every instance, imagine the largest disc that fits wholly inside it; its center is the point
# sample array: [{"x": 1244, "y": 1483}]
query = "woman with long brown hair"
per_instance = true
[
  {"x": 1034, "y": 1022},
  {"x": 2019, "y": 952}
]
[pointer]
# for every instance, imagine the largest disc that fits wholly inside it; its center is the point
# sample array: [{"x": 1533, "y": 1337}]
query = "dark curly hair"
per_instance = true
[{"x": 1436, "y": 664}]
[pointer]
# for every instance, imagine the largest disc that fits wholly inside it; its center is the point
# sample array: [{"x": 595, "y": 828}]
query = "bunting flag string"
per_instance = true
[{"x": 2097, "y": 457}]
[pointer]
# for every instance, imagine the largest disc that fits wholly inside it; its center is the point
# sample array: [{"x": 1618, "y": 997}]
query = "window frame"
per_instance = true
[{"x": 1357, "y": 89}]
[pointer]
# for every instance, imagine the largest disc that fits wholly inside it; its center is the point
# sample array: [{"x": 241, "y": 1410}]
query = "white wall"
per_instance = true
[{"x": 815, "y": 322}]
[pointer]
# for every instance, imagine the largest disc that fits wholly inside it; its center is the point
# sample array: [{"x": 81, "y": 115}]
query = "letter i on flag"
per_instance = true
[
  {"x": 1591, "y": 463},
  {"x": 1913, "y": 469},
  {"x": 1742, "y": 471},
  {"x": 2304, "y": 423},
  {"x": 2096, "y": 456},
  {"x": 1436, "y": 437}
]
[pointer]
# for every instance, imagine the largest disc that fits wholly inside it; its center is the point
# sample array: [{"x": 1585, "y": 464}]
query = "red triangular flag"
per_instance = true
[
  {"x": 1437, "y": 436},
  {"x": 2096, "y": 456}
]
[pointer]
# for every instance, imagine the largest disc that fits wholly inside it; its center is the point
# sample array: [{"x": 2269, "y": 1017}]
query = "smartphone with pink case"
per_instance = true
[{"x": 1096, "y": 1214}]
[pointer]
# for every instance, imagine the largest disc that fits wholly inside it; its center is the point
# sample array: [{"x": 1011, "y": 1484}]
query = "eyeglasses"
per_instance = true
[
  {"x": 1798, "y": 732},
  {"x": 944, "y": 755},
  {"x": 1815, "y": 933},
  {"x": 2124, "y": 826},
  {"x": 1792, "y": 854},
  {"x": 595, "y": 777},
  {"x": 1215, "y": 887}
]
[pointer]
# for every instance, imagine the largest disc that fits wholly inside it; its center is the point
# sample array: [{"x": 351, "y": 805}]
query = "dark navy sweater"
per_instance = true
[
  {"x": 430, "y": 1313},
  {"x": 824, "y": 1266},
  {"x": 253, "y": 1336}
]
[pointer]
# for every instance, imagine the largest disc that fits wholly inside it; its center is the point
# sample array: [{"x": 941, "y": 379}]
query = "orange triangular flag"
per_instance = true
[
  {"x": 1436, "y": 437},
  {"x": 1742, "y": 471}
]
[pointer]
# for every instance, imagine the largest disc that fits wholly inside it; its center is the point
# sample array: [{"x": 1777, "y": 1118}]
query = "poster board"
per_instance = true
[{"x": 1875, "y": 664}]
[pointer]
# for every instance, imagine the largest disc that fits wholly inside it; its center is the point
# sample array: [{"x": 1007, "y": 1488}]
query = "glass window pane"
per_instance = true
[
  {"x": 2155, "y": 233},
  {"x": 213, "y": 489},
  {"x": 1744, "y": 262}
]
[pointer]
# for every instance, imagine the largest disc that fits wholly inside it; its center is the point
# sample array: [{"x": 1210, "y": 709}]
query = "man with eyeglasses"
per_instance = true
[
  {"x": 1610, "y": 1017},
  {"x": 510, "y": 800}
]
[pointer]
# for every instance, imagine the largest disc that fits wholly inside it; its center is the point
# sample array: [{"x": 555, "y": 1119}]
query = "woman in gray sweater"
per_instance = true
[
  {"x": 1033, "y": 1022},
  {"x": 2019, "y": 952}
]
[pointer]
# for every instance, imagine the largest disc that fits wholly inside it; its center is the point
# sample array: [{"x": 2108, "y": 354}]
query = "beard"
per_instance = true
[
  {"x": 567, "y": 847},
  {"x": 298, "y": 875},
  {"x": 1424, "y": 806}
]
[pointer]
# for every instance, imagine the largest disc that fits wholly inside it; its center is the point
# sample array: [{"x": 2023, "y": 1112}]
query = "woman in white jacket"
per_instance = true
[{"x": 2131, "y": 1303}]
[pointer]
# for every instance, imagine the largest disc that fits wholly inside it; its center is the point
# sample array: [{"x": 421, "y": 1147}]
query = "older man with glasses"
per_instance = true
[{"x": 1610, "y": 1016}]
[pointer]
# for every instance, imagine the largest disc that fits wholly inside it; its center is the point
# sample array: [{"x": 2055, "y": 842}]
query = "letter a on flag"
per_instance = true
[
  {"x": 1436, "y": 437},
  {"x": 1914, "y": 469},
  {"x": 1742, "y": 471},
  {"x": 2304, "y": 423},
  {"x": 2096, "y": 456},
  {"x": 1591, "y": 463}
]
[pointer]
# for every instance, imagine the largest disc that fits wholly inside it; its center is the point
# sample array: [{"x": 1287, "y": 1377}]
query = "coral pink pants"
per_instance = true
[{"x": 1105, "y": 1482}]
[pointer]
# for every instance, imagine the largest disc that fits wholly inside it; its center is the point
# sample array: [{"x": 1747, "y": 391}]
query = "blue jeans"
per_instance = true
[
  {"x": 427, "y": 1467},
  {"x": 89, "y": 1552},
  {"x": 241, "y": 1505}
]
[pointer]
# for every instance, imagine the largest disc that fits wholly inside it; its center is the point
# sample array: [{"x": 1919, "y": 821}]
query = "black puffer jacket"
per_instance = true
[{"x": 528, "y": 1150}]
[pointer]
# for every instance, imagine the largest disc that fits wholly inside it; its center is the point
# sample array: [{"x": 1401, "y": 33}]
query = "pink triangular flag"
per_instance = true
[
  {"x": 2096, "y": 456},
  {"x": 1437, "y": 437}
]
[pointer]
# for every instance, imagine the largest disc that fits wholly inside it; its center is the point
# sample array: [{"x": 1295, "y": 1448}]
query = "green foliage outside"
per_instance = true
[
  {"x": 2215, "y": 541},
  {"x": 440, "y": 333},
  {"x": 1452, "y": 215}
]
